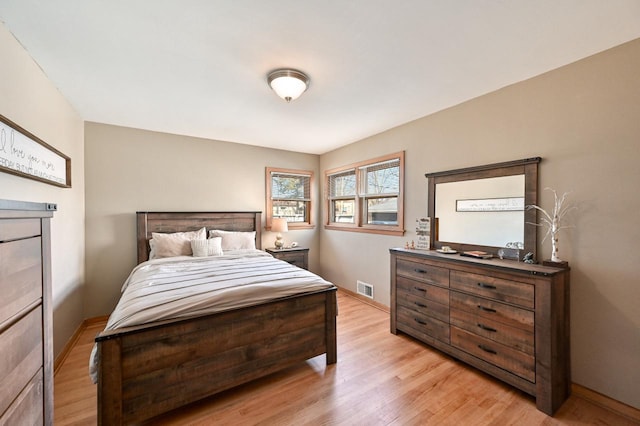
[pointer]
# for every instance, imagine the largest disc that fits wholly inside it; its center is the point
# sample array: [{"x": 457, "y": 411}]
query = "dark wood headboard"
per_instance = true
[{"x": 168, "y": 222}]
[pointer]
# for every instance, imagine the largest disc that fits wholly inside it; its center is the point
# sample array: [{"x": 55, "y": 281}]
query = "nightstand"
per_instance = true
[{"x": 296, "y": 256}]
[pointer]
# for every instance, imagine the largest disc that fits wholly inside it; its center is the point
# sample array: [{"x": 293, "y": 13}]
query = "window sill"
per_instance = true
[
  {"x": 294, "y": 227},
  {"x": 366, "y": 229}
]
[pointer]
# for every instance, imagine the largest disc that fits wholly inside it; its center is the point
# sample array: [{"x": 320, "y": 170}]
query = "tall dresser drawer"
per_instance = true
[
  {"x": 13, "y": 229},
  {"x": 21, "y": 354},
  {"x": 423, "y": 272},
  {"x": 486, "y": 308},
  {"x": 27, "y": 409},
  {"x": 512, "y": 360},
  {"x": 517, "y": 338},
  {"x": 20, "y": 276},
  {"x": 420, "y": 325},
  {"x": 427, "y": 291},
  {"x": 515, "y": 292}
]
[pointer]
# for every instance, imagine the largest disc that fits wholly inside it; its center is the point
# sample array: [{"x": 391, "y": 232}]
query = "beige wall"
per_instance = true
[
  {"x": 129, "y": 170},
  {"x": 584, "y": 121},
  {"x": 29, "y": 99}
]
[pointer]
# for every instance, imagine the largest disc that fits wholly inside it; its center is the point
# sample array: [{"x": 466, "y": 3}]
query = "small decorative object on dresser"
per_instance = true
[
  {"x": 553, "y": 222},
  {"x": 423, "y": 229},
  {"x": 506, "y": 318},
  {"x": 26, "y": 344},
  {"x": 298, "y": 256}
]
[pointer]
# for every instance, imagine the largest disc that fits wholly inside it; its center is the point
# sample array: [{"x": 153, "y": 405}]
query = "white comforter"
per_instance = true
[{"x": 183, "y": 287}]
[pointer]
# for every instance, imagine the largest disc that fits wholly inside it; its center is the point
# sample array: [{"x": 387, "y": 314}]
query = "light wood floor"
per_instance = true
[{"x": 380, "y": 379}]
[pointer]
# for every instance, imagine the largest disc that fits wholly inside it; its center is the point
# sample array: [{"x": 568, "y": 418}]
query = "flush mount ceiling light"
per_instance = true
[{"x": 289, "y": 84}]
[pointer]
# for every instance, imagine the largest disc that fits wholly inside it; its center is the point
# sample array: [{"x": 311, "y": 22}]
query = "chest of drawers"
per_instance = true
[
  {"x": 26, "y": 350},
  {"x": 508, "y": 319}
]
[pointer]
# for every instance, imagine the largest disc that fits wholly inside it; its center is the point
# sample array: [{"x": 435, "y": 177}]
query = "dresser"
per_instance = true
[
  {"x": 506, "y": 318},
  {"x": 298, "y": 256},
  {"x": 26, "y": 348}
]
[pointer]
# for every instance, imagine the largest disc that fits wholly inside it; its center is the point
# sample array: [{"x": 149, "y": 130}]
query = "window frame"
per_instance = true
[
  {"x": 309, "y": 223},
  {"x": 360, "y": 222}
]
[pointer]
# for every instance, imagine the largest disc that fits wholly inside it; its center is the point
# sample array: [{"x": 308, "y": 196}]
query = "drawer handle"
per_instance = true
[
  {"x": 487, "y": 286},
  {"x": 484, "y": 327},
  {"x": 420, "y": 289},
  {"x": 484, "y": 348},
  {"x": 419, "y": 321},
  {"x": 422, "y": 305},
  {"x": 486, "y": 309},
  {"x": 420, "y": 271}
]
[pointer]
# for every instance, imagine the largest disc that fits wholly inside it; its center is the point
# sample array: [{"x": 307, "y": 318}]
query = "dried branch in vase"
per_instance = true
[{"x": 553, "y": 222}]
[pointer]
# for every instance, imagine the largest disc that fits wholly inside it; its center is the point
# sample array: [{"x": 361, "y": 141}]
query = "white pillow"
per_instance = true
[
  {"x": 235, "y": 240},
  {"x": 175, "y": 244},
  {"x": 210, "y": 247}
]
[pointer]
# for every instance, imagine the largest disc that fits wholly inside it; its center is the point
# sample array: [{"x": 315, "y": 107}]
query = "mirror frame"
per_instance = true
[{"x": 527, "y": 167}]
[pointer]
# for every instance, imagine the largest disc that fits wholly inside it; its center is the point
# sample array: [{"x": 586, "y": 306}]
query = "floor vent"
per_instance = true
[{"x": 365, "y": 289}]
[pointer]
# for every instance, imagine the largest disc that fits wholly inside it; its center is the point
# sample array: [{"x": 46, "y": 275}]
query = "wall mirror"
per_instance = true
[{"x": 483, "y": 207}]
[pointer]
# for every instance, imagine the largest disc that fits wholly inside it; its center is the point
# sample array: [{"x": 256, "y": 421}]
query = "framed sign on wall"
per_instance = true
[{"x": 24, "y": 154}]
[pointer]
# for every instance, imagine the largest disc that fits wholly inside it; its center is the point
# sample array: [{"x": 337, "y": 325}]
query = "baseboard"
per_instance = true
[
  {"x": 73, "y": 340},
  {"x": 364, "y": 299},
  {"x": 606, "y": 402}
]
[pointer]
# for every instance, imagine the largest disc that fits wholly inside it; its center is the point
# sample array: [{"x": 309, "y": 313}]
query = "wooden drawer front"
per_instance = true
[
  {"x": 515, "y": 292},
  {"x": 512, "y": 360},
  {"x": 500, "y": 312},
  {"x": 512, "y": 337},
  {"x": 13, "y": 229},
  {"x": 293, "y": 258},
  {"x": 20, "y": 355},
  {"x": 20, "y": 276},
  {"x": 422, "y": 272},
  {"x": 427, "y": 291},
  {"x": 421, "y": 325},
  {"x": 28, "y": 408},
  {"x": 424, "y": 306}
]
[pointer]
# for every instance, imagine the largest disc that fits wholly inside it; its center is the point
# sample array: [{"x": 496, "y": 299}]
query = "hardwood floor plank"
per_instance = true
[{"x": 379, "y": 379}]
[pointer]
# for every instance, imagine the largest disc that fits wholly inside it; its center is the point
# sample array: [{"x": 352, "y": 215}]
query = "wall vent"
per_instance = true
[{"x": 365, "y": 289}]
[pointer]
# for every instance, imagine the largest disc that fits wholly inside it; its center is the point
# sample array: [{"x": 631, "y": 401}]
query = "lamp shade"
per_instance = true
[
  {"x": 279, "y": 225},
  {"x": 288, "y": 84}
]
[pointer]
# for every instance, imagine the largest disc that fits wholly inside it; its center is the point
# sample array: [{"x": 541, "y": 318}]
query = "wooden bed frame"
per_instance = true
[{"x": 148, "y": 370}]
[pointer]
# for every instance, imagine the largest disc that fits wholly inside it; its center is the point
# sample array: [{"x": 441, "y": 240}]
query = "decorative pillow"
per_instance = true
[
  {"x": 235, "y": 240},
  {"x": 210, "y": 247},
  {"x": 176, "y": 244}
]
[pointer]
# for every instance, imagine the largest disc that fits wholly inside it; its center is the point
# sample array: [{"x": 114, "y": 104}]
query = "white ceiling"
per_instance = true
[{"x": 198, "y": 67}]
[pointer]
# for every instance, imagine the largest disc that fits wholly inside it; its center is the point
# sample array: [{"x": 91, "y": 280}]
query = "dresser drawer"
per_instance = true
[
  {"x": 516, "y": 338},
  {"x": 420, "y": 325},
  {"x": 21, "y": 354},
  {"x": 20, "y": 276},
  {"x": 512, "y": 360},
  {"x": 13, "y": 229},
  {"x": 427, "y": 291},
  {"x": 496, "y": 311},
  {"x": 515, "y": 292},
  {"x": 423, "y": 272},
  {"x": 27, "y": 409},
  {"x": 424, "y": 306}
]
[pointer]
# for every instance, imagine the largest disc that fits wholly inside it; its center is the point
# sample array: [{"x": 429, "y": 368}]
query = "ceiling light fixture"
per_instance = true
[{"x": 289, "y": 84}]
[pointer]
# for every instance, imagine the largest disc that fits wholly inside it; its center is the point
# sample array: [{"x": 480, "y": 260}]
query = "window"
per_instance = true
[
  {"x": 367, "y": 197},
  {"x": 289, "y": 196}
]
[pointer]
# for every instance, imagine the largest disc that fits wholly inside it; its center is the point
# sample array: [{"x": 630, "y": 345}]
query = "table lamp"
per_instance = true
[{"x": 279, "y": 225}]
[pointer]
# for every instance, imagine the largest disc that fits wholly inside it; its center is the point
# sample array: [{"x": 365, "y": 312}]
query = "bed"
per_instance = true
[{"x": 149, "y": 369}]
